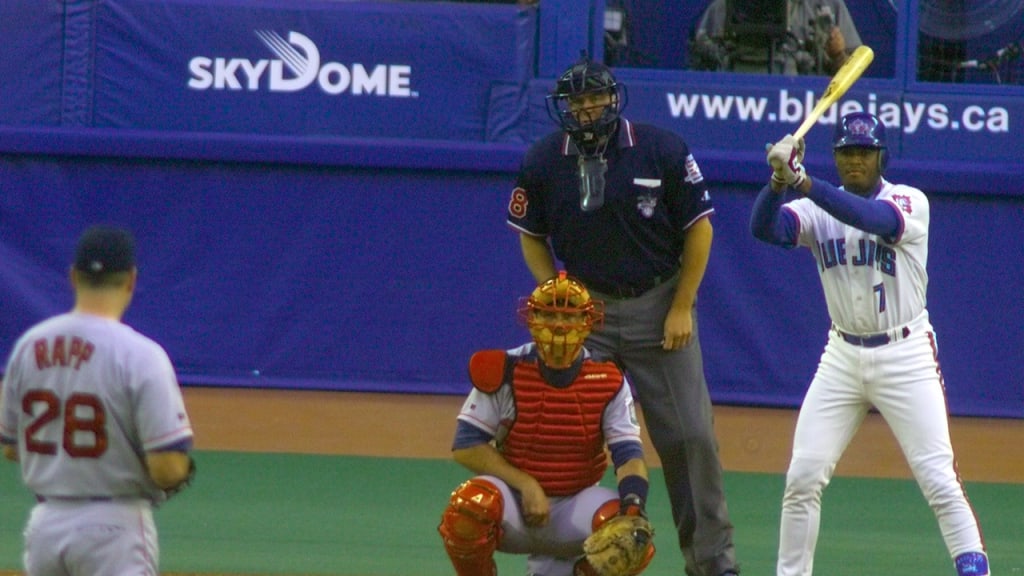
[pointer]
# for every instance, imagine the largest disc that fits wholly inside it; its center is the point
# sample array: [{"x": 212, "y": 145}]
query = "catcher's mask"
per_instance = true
[
  {"x": 560, "y": 314},
  {"x": 862, "y": 130},
  {"x": 574, "y": 106}
]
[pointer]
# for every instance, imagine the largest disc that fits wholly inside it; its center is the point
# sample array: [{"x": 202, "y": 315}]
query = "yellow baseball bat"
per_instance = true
[{"x": 850, "y": 71}]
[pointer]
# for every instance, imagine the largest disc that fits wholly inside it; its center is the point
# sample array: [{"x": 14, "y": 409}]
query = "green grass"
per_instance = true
[{"x": 347, "y": 516}]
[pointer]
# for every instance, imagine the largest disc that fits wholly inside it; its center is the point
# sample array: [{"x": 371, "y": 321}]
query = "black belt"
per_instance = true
[
  {"x": 871, "y": 340},
  {"x": 624, "y": 292},
  {"x": 41, "y": 499}
]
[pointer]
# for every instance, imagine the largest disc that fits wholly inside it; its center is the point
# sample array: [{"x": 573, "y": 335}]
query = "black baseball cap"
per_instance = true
[{"x": 105, "y": 249}]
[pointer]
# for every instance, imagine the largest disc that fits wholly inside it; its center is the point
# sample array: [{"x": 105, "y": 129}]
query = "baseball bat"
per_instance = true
[{"x": 850, "y": 71}]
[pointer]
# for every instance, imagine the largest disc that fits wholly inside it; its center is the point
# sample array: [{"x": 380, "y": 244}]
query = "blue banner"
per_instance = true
[
  {"x": 985, "y": 126},
  {"x": 459, "y": 72},
  {"x": 31, "y": 62},
  {"x": 400, "y": 69},
  {"x": 741, "y": 113}
]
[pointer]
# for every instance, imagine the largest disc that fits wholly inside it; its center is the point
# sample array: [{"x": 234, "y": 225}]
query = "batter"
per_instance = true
[{"x": 870, "y": 241}]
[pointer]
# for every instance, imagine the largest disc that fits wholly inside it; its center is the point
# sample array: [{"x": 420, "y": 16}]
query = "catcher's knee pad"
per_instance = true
[
  {"x": 604, "y": 513},
  {"x": 471, "y": 527}
]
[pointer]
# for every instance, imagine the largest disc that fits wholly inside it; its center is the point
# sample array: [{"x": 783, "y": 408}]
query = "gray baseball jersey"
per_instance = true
[{"x": 84, "y": 398}]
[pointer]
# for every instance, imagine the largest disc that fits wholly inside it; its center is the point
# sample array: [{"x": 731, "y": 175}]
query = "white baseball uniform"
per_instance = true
[
  {"x": 882, "y": 353},
  {"x": 84, "y": 398}
]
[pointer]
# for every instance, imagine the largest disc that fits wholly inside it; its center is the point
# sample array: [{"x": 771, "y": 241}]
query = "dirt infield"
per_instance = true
[{"x": 421, "y": 426}]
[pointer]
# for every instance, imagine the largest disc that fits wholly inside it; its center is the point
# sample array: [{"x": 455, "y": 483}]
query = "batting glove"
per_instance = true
[{"x": 786, "y": 158}]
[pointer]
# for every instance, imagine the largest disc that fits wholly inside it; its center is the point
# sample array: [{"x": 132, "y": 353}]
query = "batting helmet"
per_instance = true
[
  {"x": 560, "y": 314},
  {"x": 584, "y": 78},
  {"x": 862, "y": 130}
]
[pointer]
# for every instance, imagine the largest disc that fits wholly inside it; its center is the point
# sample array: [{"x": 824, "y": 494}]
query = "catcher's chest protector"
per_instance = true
[{"x": 557, "y": 436}]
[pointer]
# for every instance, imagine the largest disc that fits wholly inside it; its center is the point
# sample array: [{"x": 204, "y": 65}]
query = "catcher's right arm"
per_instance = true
[{"x": 622, "y": 546}]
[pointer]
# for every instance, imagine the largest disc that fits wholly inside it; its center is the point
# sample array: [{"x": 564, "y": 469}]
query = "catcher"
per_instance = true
[{"x": 534, "y": 430}]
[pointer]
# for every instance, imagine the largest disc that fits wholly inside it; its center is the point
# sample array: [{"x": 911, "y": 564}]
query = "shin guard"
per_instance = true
[{"x": 471, "y": 527}]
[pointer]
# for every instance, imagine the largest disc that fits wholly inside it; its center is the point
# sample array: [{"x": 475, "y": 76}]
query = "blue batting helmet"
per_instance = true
[{"x": 862, "y": 130}]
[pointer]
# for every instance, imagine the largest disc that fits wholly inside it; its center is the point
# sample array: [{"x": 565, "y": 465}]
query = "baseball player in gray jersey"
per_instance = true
[
  {"x": 92, "y": 411},
  {"x": 870, "y": 240}
]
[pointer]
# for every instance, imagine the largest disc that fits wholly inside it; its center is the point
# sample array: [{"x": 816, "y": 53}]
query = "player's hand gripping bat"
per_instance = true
[{"x": 841, "y": 82}]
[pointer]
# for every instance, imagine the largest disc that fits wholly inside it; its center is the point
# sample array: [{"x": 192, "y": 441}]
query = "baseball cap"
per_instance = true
[{"x": 105, "y": 249}]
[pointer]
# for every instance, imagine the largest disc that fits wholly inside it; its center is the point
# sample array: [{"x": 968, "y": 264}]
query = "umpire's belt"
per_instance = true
[
  {"x": 624, "y": 292},
  {"x": 874, "y": 340}
]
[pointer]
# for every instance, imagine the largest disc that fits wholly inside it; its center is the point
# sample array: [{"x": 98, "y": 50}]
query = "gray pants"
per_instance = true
[{"x": 673, "y": 394}]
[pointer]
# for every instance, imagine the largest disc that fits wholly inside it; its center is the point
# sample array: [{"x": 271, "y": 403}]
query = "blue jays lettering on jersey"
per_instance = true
[
  {"x": 833, "y": 252},
  {"x": 853, "y": 263},
  {"x": 654, "y": 191}
]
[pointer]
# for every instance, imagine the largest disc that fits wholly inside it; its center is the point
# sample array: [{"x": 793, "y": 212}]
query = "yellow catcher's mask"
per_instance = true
[{"x": 560, "y": 314}]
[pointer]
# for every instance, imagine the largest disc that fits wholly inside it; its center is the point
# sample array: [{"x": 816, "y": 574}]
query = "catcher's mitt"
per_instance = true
[{"x": 621, "y": 546}]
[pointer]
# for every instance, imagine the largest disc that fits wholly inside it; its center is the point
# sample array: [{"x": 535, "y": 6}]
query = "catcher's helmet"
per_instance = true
[
  {"x": 862, "y": 130},
  {"x": 560, "y": 314},
  {"x": 584, "y": 78}
]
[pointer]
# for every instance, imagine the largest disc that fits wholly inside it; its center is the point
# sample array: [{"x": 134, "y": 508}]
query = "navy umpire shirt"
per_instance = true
[{"x": 654, "y": 192}]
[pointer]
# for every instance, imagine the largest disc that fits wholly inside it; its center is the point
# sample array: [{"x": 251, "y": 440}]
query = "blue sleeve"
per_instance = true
[
  {"x": 872, "y": 216},
  {"x": 467, "y": 436},
  {"x": 769, "y": 223},
  {"x": 623, "y": 452}
]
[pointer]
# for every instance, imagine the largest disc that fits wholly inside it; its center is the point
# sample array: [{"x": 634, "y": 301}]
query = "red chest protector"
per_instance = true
[{"x": 557, "y": 436}]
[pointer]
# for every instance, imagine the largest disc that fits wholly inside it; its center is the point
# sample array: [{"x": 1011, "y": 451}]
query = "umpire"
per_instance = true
[{"x": 624, "y": 207}]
